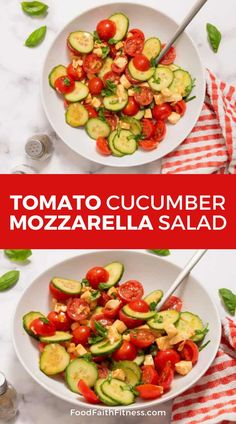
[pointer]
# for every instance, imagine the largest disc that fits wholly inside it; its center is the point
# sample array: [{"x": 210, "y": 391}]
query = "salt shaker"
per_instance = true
[
  {"x": 8, "y": 400},
  {"x": 39, "y": 147},
  {"x": 23, "y": 169}
]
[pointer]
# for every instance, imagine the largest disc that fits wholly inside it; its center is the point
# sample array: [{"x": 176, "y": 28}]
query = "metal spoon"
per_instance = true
[
  {"x": 187, "y": 20},
  {"x": 183, "y": 274}
]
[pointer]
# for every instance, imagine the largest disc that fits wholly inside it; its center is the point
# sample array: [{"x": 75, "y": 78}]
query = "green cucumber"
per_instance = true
[
  {"x": 153, "y": 298},
  {"x": 189, "y": 321},
  {"x": 138, "y": 315},
  {"x": 81, "y": 41},
  {"x": 67, "y": 286},
  {"x": 115, "y": 270},
  {"x": 81, "y": 369},
  {"x": 56, "y": 72},
  {"x": 135, "y": 126},
  {"x": 116, "y": 103},
  {"x": 54, "y": 359},
  {"x": 140, "y": 75},
  {"x": 133, "y": 377},
  {"x": 125, "y": 143},
  {"x": 139, "y": 115},
  {"x": 118, "y": 391},
  {"x": 28, "y": 318},
  {"x": 59, "y": 336},
  {"x": 182, "y": 83},
  {"x": 111, "y": 145},
  {"x": 95, "y": 128},
  {"x": 104, "y": 398},
  {"x": 139, "y": 359},
  {"x": 106, "y": 67},
  {"x": 122, "y": 25},
  {"x": 76, "y": 115},
  {"x": 105, "y": 347},
  {"x": 152, "y": 48},
  {"x": 79, "y": 93},
  {"x": 161, "y": 79},
  {"x": 163, "y": 318}
]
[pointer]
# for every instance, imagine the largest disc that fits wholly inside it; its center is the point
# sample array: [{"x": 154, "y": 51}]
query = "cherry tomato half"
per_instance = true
[
  {"x": 144, "y": 96},
  {"x": 149, "y": 391},
  {"x": 190, "y": 351},
  {"x": 111, "y": 76},
  {"x": 71, "y": 49},
  {"x": 169, "y": 57},
  {"x": 92, "y": 63},
  {"x": 180, "y": 107},
  {"x": 147, "y": 128},
  {"x": 131, "y": 108},
  {"x": 141, "y": 62},
  {"x": 142, "y": 338},
  {"x": 148, "y": 144},
  {"x": 130, "y": 78},
  {"x": 106, "y": 29},
  {"x": 173, "y": 302},
  {"x": 77, "y": 73},
  {"x": 42, "y": 327},
  {"x": 112, "y": 312},
  {"x": 159, "y": 131},
  {"x": 91, "y": 111},
  {"x": 60, "y": 320},
  {"x": 102, "y": 146},
  {"x": 78, "y": 309},
  {"x": 166, "y": 356},
  {"x": 81, "y": 334},
  {"x": 101, "y": 319},
  {"x": 111, "y": 119},
  {"x": 127, "y": 352},
  {"x": 95, "y": 85},
  {"x": 131, "y": 290},
  {"x": 166, "y": 377},
  {"x": 103, "y": 372},
  {"x": 139, "y": 306},
  {"x": 103, "y": 299},
  {"x": 161, "y": 112},
  {"x": 64, "y": 84},
  {"x": 57, "y": 294},
  {"x": 137, "y": 33},
  {"x": 128, "y": 321},
  {"x": 149, "y": 375},
  {"x": 97, "y": 275},
  {"x": 133, "y": 45},
  {"x": 88, "y": 393}
]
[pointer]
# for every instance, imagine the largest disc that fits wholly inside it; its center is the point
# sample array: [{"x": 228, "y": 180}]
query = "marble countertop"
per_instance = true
[
  {"x": 37, "y": 406},
  {"x": 20, "y": 68}
]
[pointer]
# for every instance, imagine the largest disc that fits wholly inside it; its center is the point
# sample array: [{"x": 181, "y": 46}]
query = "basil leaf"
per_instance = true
[
  {"x": 204, "y": 345},
  {"x": 36, "y": 37},
  {"x": 229, "y": 300},
  {"x": 112, "y": 41},
  {"x": 102, "y": 331},
  {"x": 18, "y": 255},
  {"x": 85, "y": 282},
  {"x": 44, "y": 320},
  {"x": 160, "y": 252},
  {"x": 152, "y": 306},
  {"x": 95, "y": 339},
  {"x": 105, "y": 51},
  {"x": 214, "y": 37},
  {"x": 9, "y": 279},
  {"x": 34, "y": 8}
]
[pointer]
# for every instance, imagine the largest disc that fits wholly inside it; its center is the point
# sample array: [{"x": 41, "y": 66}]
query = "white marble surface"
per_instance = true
[
  {"x": 20, "y": 69},
  {"x": 37, "y": 406}
]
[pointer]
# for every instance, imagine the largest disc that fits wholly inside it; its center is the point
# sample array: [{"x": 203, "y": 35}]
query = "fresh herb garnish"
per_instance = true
[
  {"x": 95, "y": 339},
  {"x": 34, "y": 8},
  {"x": 189, "y": 89},
  {"x": 95, "y": 295},
  {"x": 160, "y": 252},
  {"x": 85, "y": 282},
  {"x": 110, "y": 88},
  {"x": 229, "y": 300},
  {"x": 203, "y": 346},
  {"x": 112, "y": 41},
  {"x": 152, "y": 306},
  {"x": 136, "y": 89},
  {"x": 214, "y": 37},
  {"x": 157, "y": 80},
  {"x": 44, "y": 320},
  {"x": 101, "y": 114},
  {"x": 153, "y": 62},
  {"x": 102, "y": 286},
  {"x": 18, "y": 255},
  {"x": 87, "y": 356},
  {"x": 36, "y": 37},
  {"x": 189, "y": 99},
  {"x": 96, "y": 37},
  {"x": 105, "y": 51},
  {"x": 136, "y": 137},
  {"x": 102, "y": 331},
  {"x": 204, "y": 331},
  {"x": 158, "y": 319},
  {"x": 9, "y": 279}
]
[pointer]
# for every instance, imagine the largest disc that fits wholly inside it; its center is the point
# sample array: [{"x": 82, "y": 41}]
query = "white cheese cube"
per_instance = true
[
  {"x": 59, "y": 307},
  {"x": 80, "y": 350},
  {"x": 112, "y": 292},
  {"x": 119, "y": 374},
  {"x": 148, "y": 113},
  {"x": 121, "y": 62},
  {"x": 112, "y": 334},
  {"x": 163, "y": 343},
  {"x": 171, "y": 330},
  {"x": 183, "y": 367},
  {"x": 126, "y": 337},
  {"x": 158, "y": 99},
  {"x": 98, "y": 51},
  {"x": 124, "y": 125},
  {"x": 148, "y": 360},
  {"x": 119, "y": 326},
  {"x": 125, "y": 82},
  {"x": 174, "y": 118},
  {"x": 96, "y": 102},
  {"x": 119, "y": 45}
]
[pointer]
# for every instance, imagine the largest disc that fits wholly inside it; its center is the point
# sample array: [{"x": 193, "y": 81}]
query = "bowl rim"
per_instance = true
[
  {"x": 145, "y": 405},
  {"x": 119, "y": 164}
]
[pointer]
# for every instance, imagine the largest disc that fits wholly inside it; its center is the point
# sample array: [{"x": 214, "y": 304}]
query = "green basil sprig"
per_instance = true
[
  {"x": 229, "y": 300},
  {"x": 18, "y": 255},
  {"x": 36, "y": 37},
  {"x": 214, "y": 37},
  {"x": 9, "y": 279},
  {"x": 34, "y": 8},
  {"x": 160, "y": 252}
]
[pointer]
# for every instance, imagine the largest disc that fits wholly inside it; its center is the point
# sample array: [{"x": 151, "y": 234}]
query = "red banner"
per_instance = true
[{"x": 117, "y": 211}]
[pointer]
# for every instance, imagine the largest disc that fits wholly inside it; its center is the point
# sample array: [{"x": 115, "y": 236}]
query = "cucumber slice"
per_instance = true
[
  {"x": 152, "y": 48},
  {"x": 132, "y": 371},
  {"x": 118, "y": 391},
  {"x": 115, "y": 270},
  {"x": 162, "y": 319},
  {"x": 162, "y": 78},
  {"x": 182, "y": 83},
  {"x": 105, "y": 347},
  {"x": 104, "y": 398},
  {"x": 122, "y": 25},
  {"x": 135, "y": 126},
  {"x": 139, "y": 115},
  {"x": 130, "y": 377},
  {"x": 106, "y": 67},
  {"x": 138, "y": 315},
  {"x": 116, "y": 103},
  {"x": 67, "y": 286},
  {"x": 125, "y": 143},
  {"x": 111, "y": 145},
  {"x": 140, "y": 75},
  {"x": 174, "y": 67},
  {"x": 154, "y": 297},
  {"x": 59, "y": 336},
  {"x": 76, "y": 115},
  {"x": 81, "y": 41},
  {"x": 189, "y": 321},
  {"x": 139, "y": 360},
  {"x": 28, "y": 318},
  {"x": 54, "y": 359},
  {"x": 80, "y": 369},
  {"x": 97, "y": 128},
  {"x": 58, "y": 71},
  {"x": 79, "y": 93}
]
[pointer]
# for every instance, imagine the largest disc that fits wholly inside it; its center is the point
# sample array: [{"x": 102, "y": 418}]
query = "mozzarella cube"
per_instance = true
[
  {"x": 121, "y": 62},
  {"x": 163, "y": 343},
  {"x": 145, "y": 84},
  {"x": 126, "y": 337},
  {"x": 125, "y": 82},
  {"x": 80, "y": 350},
  {"x": 112, "y": 334},
  {"x": 182, "y": 336},
  {"x": 98, "y": 51},
  {"x": 183, "y": 367},
  {"x": 131, "y": 92},
  {"x": 119, "y": 45},
  {"x": 119, "y": 326},
  {"x": 166, "y": 92},
  {"x": 112, "y": 304},
  {"x": 124, "y": 125},
  {"x": 158, "y": 99},
  {"x": 143, "y": 326},
  {"x": 148, "y": 360},
  {"x": 96, "y": 102},
  {"x": 86, "y": 296},
  {"x": 112, "y": 292},
  {"x": 174, "y": 118},
  {"x": 59, "y": 307},
  {"x": 119, "y": 374},
  {"x": 148, "y": 113},
  {"x": 171, "y": 330}
]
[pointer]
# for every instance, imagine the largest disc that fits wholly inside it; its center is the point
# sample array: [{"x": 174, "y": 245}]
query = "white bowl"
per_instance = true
[
  {"x": 154, "y": 273},
  {"x": 153, "y": 23}
]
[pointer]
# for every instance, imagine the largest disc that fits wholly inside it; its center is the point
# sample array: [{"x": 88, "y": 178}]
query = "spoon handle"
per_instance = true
[
  {"x": 199, "y": 4},
  {"x": 187, "y": 269}
]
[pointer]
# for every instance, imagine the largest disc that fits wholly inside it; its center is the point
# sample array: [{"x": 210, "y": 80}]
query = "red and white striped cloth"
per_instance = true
[
  {"x": 211, "y": 146},
  {"x": 212, "y": 399}
]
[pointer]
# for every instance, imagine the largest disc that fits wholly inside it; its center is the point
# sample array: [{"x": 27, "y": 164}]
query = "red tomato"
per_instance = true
[
  {"x": 166, "y": 377},
  {"x": 42, "y": 327},
  {"x": 103, "y": 146},
  {"x": 149, "y": 391},
  {"x": 139, "y": 306},
  {"x": 60, "y": 320},
  {"x": 149, "y": 375},
  {"x": 112, "y": 313},
  {"x": 92, "y": 63},
  {"x": 101, "y": 319},
  {"x": 99, "y": 359},
  {"x": 133, "y": 45},
  {"x": 113, "y": 51},
  {"x": 166, "y": 356},
  {"x": 147, "y": 128},
  {"x": 127, "y": 352},
  {"x": 110, "y": 76},
  {"x": 78, "y": 309},
  {"x": 160, "y": 131},
  {"x": 66, "y": 103},
  {"x": 144, "y": 96},
  {"x": 141, "y": 62},
  {"x": 64, "y": 84},
  {"x": 148, "y": 144},
  {"x": 128, "y": 321},
  {"x": 106, "y": 29},
  {"x": 142, "y": 338},
  {"x": 95, "y": 85},
  {"x": 161, "y": 112},
  {"x": 131, "y": 290},
  {"x": 77, "y": 73},
  {"x": 91, "y": 111},
  {"x": 119, "y": 69},
  {"x": 88, "y": 393},
  {"x": 41, "y": 346},
  {"x": 57, "y": 294},
  {"x": 72, "y": 50},
  {"x": 97, "y": 275},
  {"x": 180, "y": 107},
  {"x": 130, "y": 78},
  {"x": 81, "y": 334},
  {"x": 103, "y": 299},
  {"x": 173, "y": 302},
  {"x": 111, "y": 119},
  {"x": 169, "y": 57},
  {"x": 137, "y": 33},
  {"x": 190, "y": 351},
  {"x": 103, "y": 372},
  {"x": 131, "y": 108}
]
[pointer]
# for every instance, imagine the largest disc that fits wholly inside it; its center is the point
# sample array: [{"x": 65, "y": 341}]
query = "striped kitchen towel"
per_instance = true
[
  {"x": 212, "y": 399},
  {"x": 211, "y": 146}
]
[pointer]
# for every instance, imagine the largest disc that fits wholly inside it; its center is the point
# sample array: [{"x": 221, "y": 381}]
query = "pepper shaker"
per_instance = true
[
  {"x": 23, "y": 169},
  {"x": 39, "y": 147},
  {"x": 8, "y": 400}
]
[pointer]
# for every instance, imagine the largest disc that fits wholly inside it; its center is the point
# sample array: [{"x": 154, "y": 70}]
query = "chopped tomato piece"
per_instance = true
[
  {"x": 149, "y": 391},
  {"x": 173, "y": 302},
  {"x": 189, "y": 351},
  {"x": 103, "y": 146},
  {"x": 88, "y": 393},
  {"x": 142, "y": 338},
  {"x": 149, "y": 375},
  {"x": 131, "y": 290},
  {"x": 166, "y": 356},
  {"x": 127, "y": 352}
]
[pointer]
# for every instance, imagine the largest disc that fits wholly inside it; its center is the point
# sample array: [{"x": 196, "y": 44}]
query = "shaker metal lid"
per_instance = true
[
  {"x": 34, "y": 148},
  {"x": 3, "y": 383}
]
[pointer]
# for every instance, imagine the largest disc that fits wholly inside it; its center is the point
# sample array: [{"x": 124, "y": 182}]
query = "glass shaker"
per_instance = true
[
  {"x": 39, "y": 147},
  {"x": 8, "y": 400}
]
